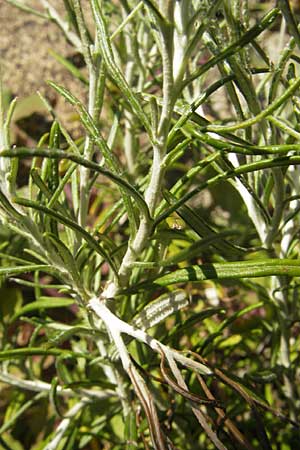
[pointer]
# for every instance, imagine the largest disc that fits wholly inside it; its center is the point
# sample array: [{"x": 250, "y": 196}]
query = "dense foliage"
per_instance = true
[{"x": 149, "y": 294}]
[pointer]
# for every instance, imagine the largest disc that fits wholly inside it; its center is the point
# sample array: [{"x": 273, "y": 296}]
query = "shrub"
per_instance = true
[{"x": 149, "y": 268}]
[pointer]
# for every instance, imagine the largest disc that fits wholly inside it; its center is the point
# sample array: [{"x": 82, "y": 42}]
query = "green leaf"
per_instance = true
[
  {"x": 71, "y": 224},
  {"x": 43, "y": 303},
  {"x": 93, "y": 130},
  {"x": 53, "y": 397},
  {"x": 59, "y": 154},
  {"x": 203, "y": 229},
  {"x": 181, "y": 328},
  {"x": 59, "y": 333},
  {"x": 131, "y": 433},
  {"x": 32, "y": 351},
  {"x": 264, "y": 113},
  {"x": 39, "y": 182},
  {"x": 231, "y": 270},
  {"x": 197, "y": 248},
  {"x": 90, "y": 126},
  {"x": 284, "y": 161},
  {"x": 113, "y": 69},
  {"x": 8, "y": 442},
  {"x": 67, "y": 257},
  {"x": 7, "y": 206},
  {"x": 228, "y": 321},
  {"x": 222, "y": 271},
  {"x": 247, "y": 37},
  {"x": 244, "y": 148},
  {"x": 11, "y": 271},
  {"x": 290, "y": 19},
  {"x": 65, "y": 375},
  {"x": 54, "y": 198}
]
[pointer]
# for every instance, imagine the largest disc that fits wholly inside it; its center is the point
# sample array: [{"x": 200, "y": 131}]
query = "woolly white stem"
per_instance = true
[
  {"x": 117, "y": 326},
  {"x": 41, "y": 386}
]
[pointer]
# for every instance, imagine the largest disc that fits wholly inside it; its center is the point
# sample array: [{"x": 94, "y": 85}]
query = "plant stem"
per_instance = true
[{"x": 116, "y": 325}]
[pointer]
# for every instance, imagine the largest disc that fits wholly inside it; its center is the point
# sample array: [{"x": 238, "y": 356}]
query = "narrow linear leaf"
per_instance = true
[
  {"x": 54, "y": 199},
  {"x": 11, "y": 271},
  {"x": 290, "y": 19},
  {"x": 203, "y": 229},
  {"x": 5, "y": 203},
  {"x": 60, "y": 154},
  {"x": 65, "y": 332},
  {"x": 43, "y": 303},
  {"x": 151, "y": 5},
  {"x": 222, "y": 271},
  {"x": 32, "y": 351},
  {"x": 113, "y": 69},
  {"x": 265, "y": 113},
  {"x": 228, "y": 321},
  {"x": 283, "y": 161},
  {"x": 89, "y": 125},
  {"x": 195, "y": 250},
  {"x": 244, "y": 149},
  {"x": 249, "y": 36},
  {"x": 41, "y": 285},
  {"x": 189, "y": 110},
  {"x": 180, "y": 328},
  {"x": 231, "y": 270},
  {"x": 39, "y": 182},
  {"x": 131, "y": 433},
  {"x": 15, "y": 258},
  {"x": 67, "y": 257},
  {"x": 53, "y": 397},
  {"x": 71, "y": 224}
]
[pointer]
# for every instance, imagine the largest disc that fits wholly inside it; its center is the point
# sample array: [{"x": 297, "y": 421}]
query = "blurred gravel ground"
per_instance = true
[{"x": 25, "y": 40}]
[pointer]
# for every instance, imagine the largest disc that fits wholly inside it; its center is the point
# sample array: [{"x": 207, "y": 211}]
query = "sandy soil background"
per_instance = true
[{"x": 25, "y": 40}]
